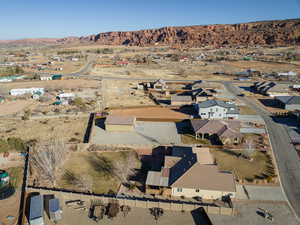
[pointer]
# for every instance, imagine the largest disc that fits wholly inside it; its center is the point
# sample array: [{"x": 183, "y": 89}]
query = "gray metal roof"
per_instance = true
[
  {"x": 289, "y": 100},
  {"x": 210, "y": 103},
  {"x": 54, "y": 205},
  {"x": 36, "y": 207}
]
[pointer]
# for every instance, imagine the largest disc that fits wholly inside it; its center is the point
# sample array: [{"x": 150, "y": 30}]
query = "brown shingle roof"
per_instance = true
[
  {"x": 220, "y": 127},
  {"x": 206, "y": 177}
]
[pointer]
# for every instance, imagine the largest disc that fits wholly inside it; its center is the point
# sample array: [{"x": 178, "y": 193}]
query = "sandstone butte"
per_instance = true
[{"x": 275, "y": 33}]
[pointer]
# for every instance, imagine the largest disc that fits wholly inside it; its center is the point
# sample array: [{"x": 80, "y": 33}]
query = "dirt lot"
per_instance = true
[
  {"x": 148, "y": 113},
  {"x": 242, "y": 168},
  {"x": 97, "y": 168},
  {"x": 55, "y": 84},
  {"x": 9, "y": 207},
  {"x": 247, "y": 216},
  {"x": 44, "y": 129},
  {"x": 166, "y": 70},
  {"x": 245, "y": 110},
  {"x": 13, "y": 107},
  {"x": 123, "y": 94},
  {"x": 262, "y": 66}
]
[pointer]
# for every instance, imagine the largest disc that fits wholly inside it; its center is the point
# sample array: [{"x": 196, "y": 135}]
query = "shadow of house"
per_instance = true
[
  {"x": 271, "y": 103},
  {"x": 200, "y": 217},
  {"x": 100, "y": 123},
  {"x": 184, "y": 127}
]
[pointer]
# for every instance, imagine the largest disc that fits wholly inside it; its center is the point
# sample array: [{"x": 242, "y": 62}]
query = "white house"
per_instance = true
[
  {"x": 66, "y": 95},
  {"x": 45, "y": 77},
  {"x": 22, "y": 91},
  {"x": 214, "y": 109}
]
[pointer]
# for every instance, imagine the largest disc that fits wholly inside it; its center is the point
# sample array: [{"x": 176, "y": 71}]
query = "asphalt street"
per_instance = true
[{"x": 287, "y": 159}]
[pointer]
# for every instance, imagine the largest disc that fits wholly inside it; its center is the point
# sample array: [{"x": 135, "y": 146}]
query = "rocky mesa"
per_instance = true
[{"x": 277, "y": 33}]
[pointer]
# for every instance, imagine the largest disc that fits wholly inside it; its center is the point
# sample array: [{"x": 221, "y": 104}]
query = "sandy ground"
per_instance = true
[
  {"x": 44, "y": 129},
  {"x": 13, "y": 107},
  {"x": 57, "y": 84},
  {"x": 263, "y": 66},
  {"x": 166, "y": 70},
  {"x": 10, "y": 207},
  {"x": 247, "y": 216},
  {"x": 122, "y": 94}
]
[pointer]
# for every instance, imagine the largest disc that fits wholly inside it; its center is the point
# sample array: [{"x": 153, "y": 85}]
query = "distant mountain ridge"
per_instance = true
[{"x": 276, "y": 33}]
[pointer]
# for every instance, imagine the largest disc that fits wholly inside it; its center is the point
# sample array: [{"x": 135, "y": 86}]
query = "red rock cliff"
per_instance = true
[{"x": 282, "y": 32}]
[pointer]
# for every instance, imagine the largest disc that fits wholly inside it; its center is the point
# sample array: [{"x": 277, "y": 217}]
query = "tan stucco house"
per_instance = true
[{"x": 191, "y": 172}]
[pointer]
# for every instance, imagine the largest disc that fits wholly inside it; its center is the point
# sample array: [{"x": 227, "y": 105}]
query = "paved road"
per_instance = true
[{"x": 287, "y": 159}]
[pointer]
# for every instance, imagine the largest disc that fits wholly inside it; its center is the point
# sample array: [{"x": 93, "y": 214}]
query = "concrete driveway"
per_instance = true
[{"x": 287, "y": 160}]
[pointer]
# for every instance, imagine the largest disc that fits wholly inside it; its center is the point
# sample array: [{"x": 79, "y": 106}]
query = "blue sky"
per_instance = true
[{"x": 61, "y": 18}]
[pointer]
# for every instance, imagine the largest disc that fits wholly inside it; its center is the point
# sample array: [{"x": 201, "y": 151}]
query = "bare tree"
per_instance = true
[
  {"x": 47, "y": 157},
  {"x": 82, "y": 182},
  {"x": 157, "y": 213},
  {"x": 250, "y": 148},
  {"x": 124, "y": 169},
  {"x": 125, "y": 209}
]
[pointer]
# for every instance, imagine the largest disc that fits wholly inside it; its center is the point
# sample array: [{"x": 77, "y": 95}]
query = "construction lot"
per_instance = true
[{"x": 120, "y": 93}]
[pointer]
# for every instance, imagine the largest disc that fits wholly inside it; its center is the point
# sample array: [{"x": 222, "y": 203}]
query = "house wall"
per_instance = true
[
  {"x": 180, "y": 103},
  {"x": 115, "y": 128},
  {"x": 214, "y": 112},
  {"x": 274, "y": 94},
  {"x": 46, "y": 78},
  {"x": 292, "y": 107},
  {"x": 205, "y": 194}
]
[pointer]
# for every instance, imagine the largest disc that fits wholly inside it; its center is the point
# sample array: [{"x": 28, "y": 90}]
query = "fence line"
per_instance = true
[{"x": 139, "y": 202}]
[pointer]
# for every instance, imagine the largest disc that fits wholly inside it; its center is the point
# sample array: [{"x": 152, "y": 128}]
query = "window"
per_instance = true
[
  {"x": 197, "y": 190},
  {"x": 216, "y": 109},
  {"x": 203, "y": 113},
  {"x": 179, "y": 189}
]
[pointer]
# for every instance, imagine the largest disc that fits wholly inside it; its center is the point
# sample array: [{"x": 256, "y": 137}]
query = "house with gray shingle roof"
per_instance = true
[
  {"x": 289, "y": 102},
  {"x": 215, "y": 109}
]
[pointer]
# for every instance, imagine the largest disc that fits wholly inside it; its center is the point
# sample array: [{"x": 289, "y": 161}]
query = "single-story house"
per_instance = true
[
  {"x": 271, "y": 88},
  {"x": 289, "y": 102},
  {"x": 45, "y": 77},
  {"x": 228, "y": 132},
  {"x": 191, "y": 172},
  {"x": 215, "y": 109},
  {"x": 120, "y": 123},
  {"x": 22, "y": 91},
  {"x": 181, "y": 100}
]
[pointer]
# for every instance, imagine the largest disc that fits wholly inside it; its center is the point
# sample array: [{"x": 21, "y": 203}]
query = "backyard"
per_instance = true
[
  {"x": 259, "y": 167},
  {"x": 99, "y": 171}
]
